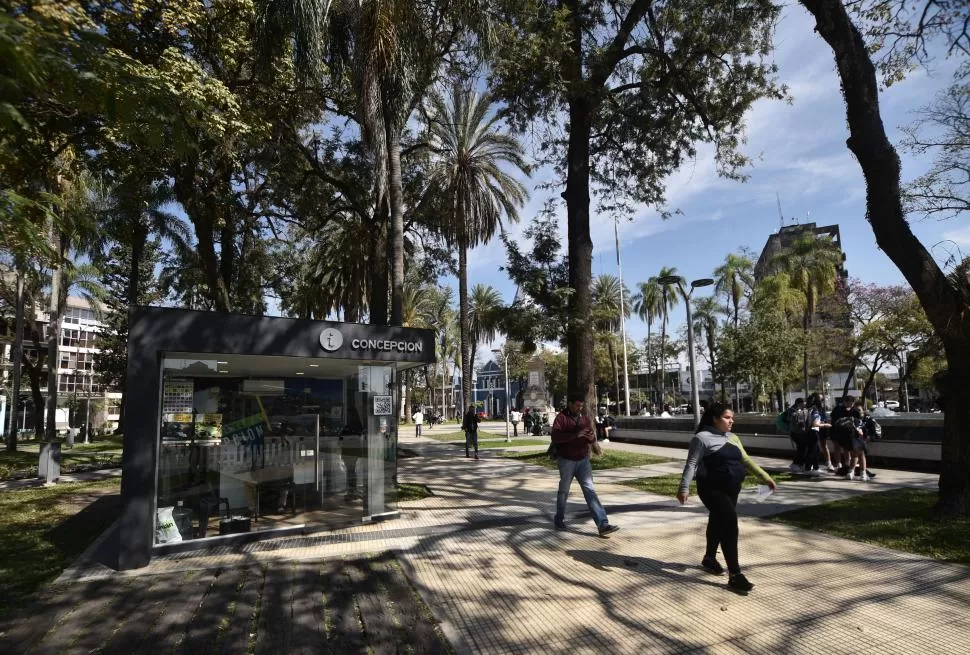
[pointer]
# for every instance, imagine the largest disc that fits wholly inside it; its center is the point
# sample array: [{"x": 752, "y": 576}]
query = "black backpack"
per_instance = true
[{"x": 799, "y": 420}]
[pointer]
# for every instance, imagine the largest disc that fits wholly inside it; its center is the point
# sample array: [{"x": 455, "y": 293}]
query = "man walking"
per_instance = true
[
  {"x": 418, "y": 422},
  {"x": 516, "y": 416},
  {"x": 572, "y": 434}
]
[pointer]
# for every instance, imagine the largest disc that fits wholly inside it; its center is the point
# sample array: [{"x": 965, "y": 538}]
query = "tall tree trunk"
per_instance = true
[
  {"x": 579, "y": 333},
  {"x": 34, "y": 370},
  {"x": 944, "y": 299},
  {"x": 378, "y": 264},
  {"x": 397, "y": 224},
  {"x": 850, "y": 377},
  {"x": 805, "y": 353},
  {"x": 16, "y": 360},
  {"x": 464, "y": 327}
]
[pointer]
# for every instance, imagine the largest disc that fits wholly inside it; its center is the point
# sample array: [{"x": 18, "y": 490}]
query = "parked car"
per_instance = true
[
  {"x": 893, "y": 405},
  {"x": 682, "y": 409}
]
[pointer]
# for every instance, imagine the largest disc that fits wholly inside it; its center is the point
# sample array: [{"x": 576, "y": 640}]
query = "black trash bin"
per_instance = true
[{"x": 49, "y": 466}]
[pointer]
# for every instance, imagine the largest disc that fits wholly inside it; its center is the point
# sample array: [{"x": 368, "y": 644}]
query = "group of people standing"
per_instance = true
[{"x": 841, "y": 437}]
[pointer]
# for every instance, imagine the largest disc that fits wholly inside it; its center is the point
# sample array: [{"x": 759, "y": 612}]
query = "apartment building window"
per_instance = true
[
  {"x": 77, "y": 315},
  {"x": 78, "y": 338}
]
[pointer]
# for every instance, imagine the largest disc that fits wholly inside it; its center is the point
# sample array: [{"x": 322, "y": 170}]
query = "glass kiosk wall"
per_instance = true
[
  {"x": 237, "y": 426},
  {"x": 250, "y": 443}
]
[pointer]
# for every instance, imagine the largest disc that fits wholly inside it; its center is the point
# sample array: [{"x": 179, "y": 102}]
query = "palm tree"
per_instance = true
[
  {"x": 669, "y": 297},
  {"x": 484, "y": 313},
  {"x": 646, "y": 304},
  {"x": 733, "y": 279},
  {"x": 812, "y": 263},
  {"x": 606, "y": 317},
  {"x": 465, "y": 178},
  {"x": 705, "y": 313},
  {"x": 392, "y": 50}
]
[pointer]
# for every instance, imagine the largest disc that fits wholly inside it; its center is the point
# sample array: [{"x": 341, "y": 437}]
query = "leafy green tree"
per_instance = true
[
  {"x": 625, "y": 91},
  {"x": 942, "y": 296},
  {"x": 540, "y": 311},
  {"x": 468, "y": 181},
  {"x": 115, "y": 266}
]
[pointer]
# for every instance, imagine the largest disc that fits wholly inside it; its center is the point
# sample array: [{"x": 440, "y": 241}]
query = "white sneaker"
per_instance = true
[
  {"x": 851, "y": 475},
  {"x": 831, "y": 468},
  {"x": 865, "y": 477}
]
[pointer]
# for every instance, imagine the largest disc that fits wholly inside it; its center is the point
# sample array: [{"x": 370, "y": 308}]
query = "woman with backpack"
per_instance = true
[{"x": 718, "y": 461}]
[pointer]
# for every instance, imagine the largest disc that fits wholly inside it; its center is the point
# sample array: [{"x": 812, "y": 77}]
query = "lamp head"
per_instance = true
[
  {"x": 670, "y": 279},
  {"x": 703, "y": 282}
]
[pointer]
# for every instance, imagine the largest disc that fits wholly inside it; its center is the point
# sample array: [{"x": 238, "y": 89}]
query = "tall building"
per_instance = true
[
  {"x": 838, "y": 318},
  {"x": 785, "y": 237},
  {"x": 76, "y": 378}
]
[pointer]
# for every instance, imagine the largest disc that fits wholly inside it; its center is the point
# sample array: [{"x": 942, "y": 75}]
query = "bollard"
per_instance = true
[{"x": 49, "y": 466}]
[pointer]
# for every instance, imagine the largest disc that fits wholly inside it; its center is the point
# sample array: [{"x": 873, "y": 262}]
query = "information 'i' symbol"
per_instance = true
[{"x": 331, "y": 339}]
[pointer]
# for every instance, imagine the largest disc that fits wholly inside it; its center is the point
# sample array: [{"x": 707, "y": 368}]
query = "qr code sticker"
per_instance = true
[{"x": 382, "y": 405}]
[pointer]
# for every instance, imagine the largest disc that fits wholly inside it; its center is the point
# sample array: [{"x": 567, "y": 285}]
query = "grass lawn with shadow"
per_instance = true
[
  {"x": 667, "y": 485},
  {"x": 23, "y": 463},
  {"x": 44, "y": 529},
  {"x": 460, "y": 436},
  {"x": 901, "y": 519},
  {"x": 610, "y": 459}
]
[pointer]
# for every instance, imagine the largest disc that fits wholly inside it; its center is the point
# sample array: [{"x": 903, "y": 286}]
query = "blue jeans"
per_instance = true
[{"x": 583, "y": 472}]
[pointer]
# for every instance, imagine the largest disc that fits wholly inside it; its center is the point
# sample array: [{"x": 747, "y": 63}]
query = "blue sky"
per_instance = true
[{"x": 800, "y": 155}]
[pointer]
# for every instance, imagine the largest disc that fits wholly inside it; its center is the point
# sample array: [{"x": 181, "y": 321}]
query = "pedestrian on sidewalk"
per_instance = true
[
  {"x": 418, "y": 418},
  {"x": 470, "y": 425},
  {"x": 718, "y": 461},
  {"x": 572, "y": 433},
  {"x": 515, "y": 416}
]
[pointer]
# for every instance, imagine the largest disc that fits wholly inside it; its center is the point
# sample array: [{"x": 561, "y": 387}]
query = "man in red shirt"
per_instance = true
[{"x": 573, "y": 433}]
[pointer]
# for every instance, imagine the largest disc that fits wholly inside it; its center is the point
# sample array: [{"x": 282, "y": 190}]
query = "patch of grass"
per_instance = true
[
  {"x": 502, "y": 443},
  {"x": 33, "y": 551},
  {"x": 406, "y": 491},
  {"x": 902, "y": 519},
  {"x": 460, "y": 436},
  {"x": 23, "y": 463},
  {"x": 610, "y": 459},
  {"x": 667, "y": 485}
]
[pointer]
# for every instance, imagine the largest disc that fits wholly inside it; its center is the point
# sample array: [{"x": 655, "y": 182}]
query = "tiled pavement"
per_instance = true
[{"x": 482, "y": 555}]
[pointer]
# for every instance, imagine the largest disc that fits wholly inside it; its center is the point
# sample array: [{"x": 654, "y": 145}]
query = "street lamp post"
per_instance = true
[
  {"x": 508, "y": 407},
  {"x": 619, "y": 266},
  {"x": 694, "y": 391}
]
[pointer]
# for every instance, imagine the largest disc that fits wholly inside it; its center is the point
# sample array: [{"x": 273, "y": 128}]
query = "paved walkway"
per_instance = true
[{"x": 481, "y": 554}]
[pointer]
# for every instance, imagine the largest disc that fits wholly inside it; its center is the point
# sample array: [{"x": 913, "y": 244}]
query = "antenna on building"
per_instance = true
[{"x": 781, "y": 216}]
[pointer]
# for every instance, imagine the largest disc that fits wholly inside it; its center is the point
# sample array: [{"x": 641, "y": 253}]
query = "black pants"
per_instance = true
[
  {"x": 722, "y": 523},
  {"x": 806, "y": 449},
  {"x": 515, "y": 428}
]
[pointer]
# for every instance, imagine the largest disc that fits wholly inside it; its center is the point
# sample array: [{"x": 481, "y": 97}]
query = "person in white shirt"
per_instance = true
[
  {"x": 418, "y": 422},
  {"x": 516, "y": 416}
]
